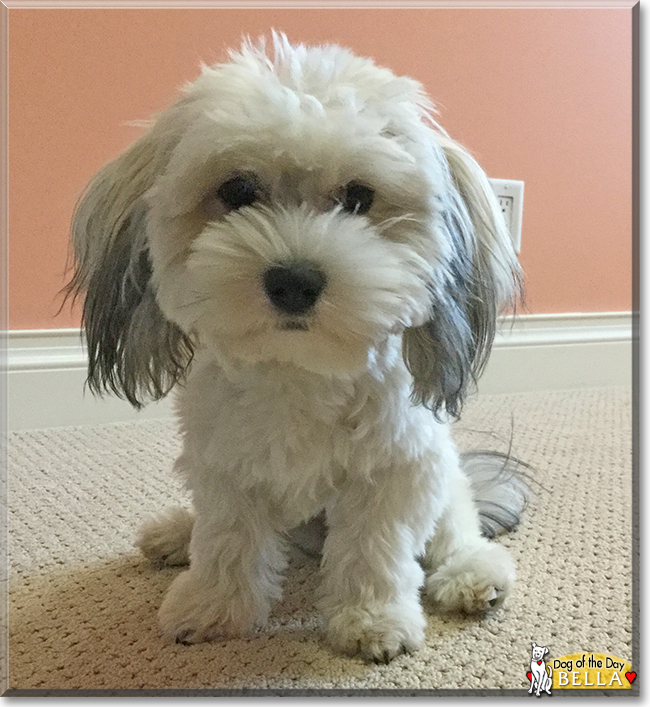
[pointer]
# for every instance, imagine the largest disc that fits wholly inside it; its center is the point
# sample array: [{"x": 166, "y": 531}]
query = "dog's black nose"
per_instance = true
[{"x": 294, "y": 288}]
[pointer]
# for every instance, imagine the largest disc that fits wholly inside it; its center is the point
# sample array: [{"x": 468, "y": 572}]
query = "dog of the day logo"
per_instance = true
[
  {"x": 577, "y": 671},
  {"x": 540, "y": 675}
]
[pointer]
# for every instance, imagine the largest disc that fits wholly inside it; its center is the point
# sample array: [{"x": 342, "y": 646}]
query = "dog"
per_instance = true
[
  {"x": 312, "y": 263},
  {"x": 540, "y": 680}
]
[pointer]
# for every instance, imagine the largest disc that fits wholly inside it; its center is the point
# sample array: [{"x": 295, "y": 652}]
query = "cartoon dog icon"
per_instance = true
[{"x": 540, "y": 680}]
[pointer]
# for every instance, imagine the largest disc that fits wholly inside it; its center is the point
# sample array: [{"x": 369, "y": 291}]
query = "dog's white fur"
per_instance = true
[
  {"x": 541, "y": 680},
  {"x": 334, "y": 412}
]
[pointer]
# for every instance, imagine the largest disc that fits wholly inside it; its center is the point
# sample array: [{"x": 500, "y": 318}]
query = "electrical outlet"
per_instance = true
[{"x": 510, "y": 194}]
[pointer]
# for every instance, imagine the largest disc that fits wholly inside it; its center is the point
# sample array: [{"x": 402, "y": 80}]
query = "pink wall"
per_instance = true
[{"x": 542, "y": 95}]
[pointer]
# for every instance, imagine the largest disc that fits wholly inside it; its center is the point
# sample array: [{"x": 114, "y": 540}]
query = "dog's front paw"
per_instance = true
[
  {"x": 195, "y": 610},
  {"x": 378, "y": 632},
  {"x": 474, "y": 581}
]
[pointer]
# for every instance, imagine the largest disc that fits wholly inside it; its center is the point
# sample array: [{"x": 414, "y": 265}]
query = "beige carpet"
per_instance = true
[{"x": 82, "y": 612}]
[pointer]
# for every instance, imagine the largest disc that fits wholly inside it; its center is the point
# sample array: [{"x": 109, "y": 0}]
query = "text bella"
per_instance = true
[{"x": 589, "y": 671}]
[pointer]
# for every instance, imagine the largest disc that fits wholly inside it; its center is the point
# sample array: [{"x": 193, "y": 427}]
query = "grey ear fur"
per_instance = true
[
  {"x": 133, "y": 350},
  {"x": 481, "y": 279}
]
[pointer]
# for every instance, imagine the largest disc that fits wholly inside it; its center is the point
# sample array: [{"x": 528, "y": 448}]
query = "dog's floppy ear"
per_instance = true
[
  {"x": 477, "y": 280},
  {"x": 133, "y": 349}
]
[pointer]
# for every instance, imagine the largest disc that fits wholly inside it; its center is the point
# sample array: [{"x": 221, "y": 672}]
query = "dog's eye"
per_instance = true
[
  {"x": 242, "y": 190},
  {"x": 357, "y": 198}
]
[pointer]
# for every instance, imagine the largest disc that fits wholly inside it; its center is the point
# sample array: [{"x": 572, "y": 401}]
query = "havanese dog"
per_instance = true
[{"x": 302, "y": 253}]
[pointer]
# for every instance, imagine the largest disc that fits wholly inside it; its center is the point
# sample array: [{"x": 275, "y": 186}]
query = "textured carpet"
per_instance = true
[{"x": 82, "y": 609}]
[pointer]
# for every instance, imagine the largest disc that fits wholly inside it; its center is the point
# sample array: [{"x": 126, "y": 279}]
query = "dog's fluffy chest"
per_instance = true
[{"x": 294, "y": 435}]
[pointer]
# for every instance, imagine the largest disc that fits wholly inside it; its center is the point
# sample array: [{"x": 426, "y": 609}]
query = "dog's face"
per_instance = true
[
  {"x": 298, "y": 209},
  {"x": 290, "y": 223},
  {"x": 539, "y": 652}
]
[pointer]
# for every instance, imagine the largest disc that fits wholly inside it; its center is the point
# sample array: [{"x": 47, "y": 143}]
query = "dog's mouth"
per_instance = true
[{"x": 293, "y": 326}]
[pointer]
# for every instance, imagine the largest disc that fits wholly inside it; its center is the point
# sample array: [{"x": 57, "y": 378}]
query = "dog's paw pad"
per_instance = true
[
  {"x": 193, "y": 613},
  {"x": 387, "y": 655},
  {"x": 377, "y": 634},
  {"x": 473, "y": 583},
  {"x": 495, "y": 598},
  {"x": 184, "y": 636},
  {"x": 187, "y": 631}
]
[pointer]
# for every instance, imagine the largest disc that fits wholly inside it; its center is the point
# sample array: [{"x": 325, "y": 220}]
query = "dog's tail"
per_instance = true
[{"x": 499, "y": 489}]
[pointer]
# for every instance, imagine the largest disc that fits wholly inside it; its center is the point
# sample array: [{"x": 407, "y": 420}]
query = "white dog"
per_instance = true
[
  {"x": 540, "y": 679},
  {"x": 319, "y": 267}
]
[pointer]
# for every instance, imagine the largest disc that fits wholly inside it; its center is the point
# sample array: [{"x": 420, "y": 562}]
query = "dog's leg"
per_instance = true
[
  {"x": 164, "y": 539},
  {"x": 371, "y": 578},
  {"x": 465, "y": 571},
  {"x": 236, "y": 560}
]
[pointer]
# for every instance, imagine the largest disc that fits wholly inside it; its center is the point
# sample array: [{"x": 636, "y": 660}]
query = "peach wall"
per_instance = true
[{"x": 542, "y": 95}]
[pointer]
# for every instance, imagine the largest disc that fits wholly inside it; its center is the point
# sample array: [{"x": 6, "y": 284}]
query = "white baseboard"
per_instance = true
[
  {"x": 46, "y": 375},
  {"x": 560, "y": 352},
  {"x": 46, "y": 369}
]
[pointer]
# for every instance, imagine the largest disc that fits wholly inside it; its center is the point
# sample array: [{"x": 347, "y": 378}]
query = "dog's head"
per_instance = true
[
  {"x": 300, "y": 207},
  {"x": 539, "y": 652}
]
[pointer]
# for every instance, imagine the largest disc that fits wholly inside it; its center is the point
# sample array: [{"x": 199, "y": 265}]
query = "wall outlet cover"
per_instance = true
[{"x": 510, "y": 194}]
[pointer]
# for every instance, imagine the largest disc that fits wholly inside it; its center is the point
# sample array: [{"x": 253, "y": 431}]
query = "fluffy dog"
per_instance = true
[{"x": 318, "y": 268}]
